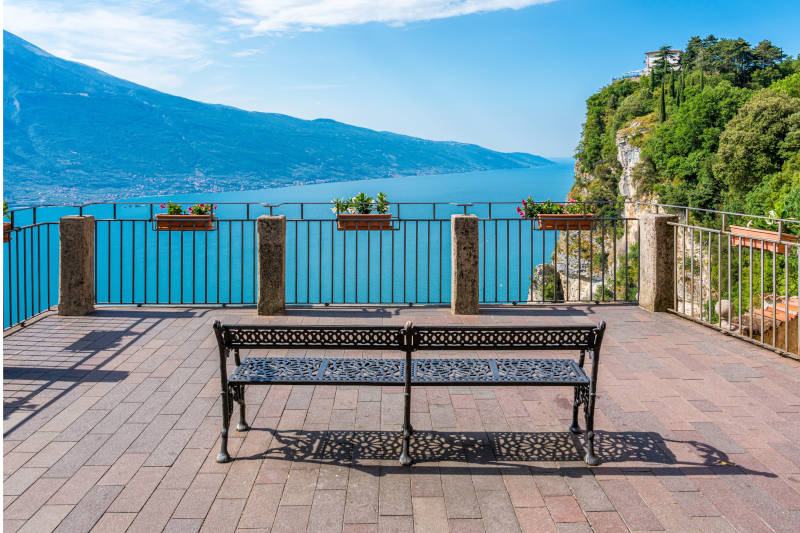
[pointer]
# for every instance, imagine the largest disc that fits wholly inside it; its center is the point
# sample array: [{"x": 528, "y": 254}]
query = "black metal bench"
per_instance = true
[{"x": 408, "y": 371}]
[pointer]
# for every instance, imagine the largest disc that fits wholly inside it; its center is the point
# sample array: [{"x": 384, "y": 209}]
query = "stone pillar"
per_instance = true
[
  {"x": 656, "y": 261},
  {"x": 271, "y": 249},
  {"x": 76, "y": 267},
  {"x": 464, "y": 271}
]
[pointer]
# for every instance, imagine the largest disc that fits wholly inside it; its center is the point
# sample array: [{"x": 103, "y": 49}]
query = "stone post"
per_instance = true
[
  {"x": 656, "y": 261},
  {"x": 76, "y": 266},
  {"x": 271, "y": 249},
  {"x": 464, "y": 271}
]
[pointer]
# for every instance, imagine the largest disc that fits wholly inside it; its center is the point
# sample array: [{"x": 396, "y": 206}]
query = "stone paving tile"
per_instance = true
[{"x": 127, "y": 439}]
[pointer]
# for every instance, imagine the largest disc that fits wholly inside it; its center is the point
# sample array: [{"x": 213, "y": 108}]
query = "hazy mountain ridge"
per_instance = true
[{"x": 74, "y": 133}]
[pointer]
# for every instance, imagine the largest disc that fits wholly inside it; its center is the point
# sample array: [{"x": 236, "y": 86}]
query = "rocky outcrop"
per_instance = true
[{"x": 545, "y": 286}]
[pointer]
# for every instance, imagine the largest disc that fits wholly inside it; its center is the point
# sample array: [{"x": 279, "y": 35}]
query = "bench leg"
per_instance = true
[
  {"x": 227, "y": 408},
  {"x": 575, "y": 428},
  {"x": 238, "y": 394},
  {"x": 591, "y": 459},
  {"x": 405, "y": 456}
]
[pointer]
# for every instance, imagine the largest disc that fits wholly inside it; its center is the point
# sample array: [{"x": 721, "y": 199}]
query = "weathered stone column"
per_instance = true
[
  {"x": 76, "y": 267},
  {"x": 271, "y": 249},
  {"x": 656, "y": 261},
  {"x": 464, "y": 271}
]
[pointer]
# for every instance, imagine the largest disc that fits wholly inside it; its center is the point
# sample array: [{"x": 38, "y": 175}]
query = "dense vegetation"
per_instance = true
[{"x": 724, "y": 130}]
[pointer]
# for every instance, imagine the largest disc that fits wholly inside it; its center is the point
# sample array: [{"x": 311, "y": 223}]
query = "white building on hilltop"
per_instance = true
[{"x": 650, "y": 58}]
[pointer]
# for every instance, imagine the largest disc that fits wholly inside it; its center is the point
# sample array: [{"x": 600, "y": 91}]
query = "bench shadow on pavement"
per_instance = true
[{"x": 634, "y": 451}]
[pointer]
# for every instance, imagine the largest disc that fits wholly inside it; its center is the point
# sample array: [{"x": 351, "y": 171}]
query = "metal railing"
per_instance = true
[
  {"x": 30, "y": 271},
  {"x": 742, "y": 282},
  {"x": 138, "y": 263}
]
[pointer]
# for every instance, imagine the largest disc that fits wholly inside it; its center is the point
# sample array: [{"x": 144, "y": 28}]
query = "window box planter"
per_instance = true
[
  {"x": 754, "y": 238},
  {"x": 564, "y": 221},
  {"x": 6, "y": 231},
  {"x": 372, "y": 222},
  {"x": 165, "y": 222}
]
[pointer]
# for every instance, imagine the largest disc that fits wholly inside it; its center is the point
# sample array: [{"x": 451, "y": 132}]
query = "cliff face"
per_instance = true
[{"x": 629, "y": 151}]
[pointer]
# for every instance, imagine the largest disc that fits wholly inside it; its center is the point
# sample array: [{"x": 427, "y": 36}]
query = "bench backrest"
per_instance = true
[{"x": 411, "y": 338}]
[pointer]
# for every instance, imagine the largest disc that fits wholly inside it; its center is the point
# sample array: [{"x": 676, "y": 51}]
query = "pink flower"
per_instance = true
[{"x": 190, "y": 209}]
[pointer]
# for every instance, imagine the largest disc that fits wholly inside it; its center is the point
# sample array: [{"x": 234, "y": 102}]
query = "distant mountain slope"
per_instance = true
[{"x": 74, "y": 133}]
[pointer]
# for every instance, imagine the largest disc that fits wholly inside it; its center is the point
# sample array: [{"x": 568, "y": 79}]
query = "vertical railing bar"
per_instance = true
[
  {"x": 627, "y": 297},
  {"x": 677, "y": 263},
  {"x": 205, "y": 266},
  {"x": 158, "y": 266},
  {"x": 508, "y": 259},
  {"x": 120, "y": 255},
  {"x": 603, "y": 258},
  {"x": 710, "y": 281},
  {"x": 440, "y": 256},
  {"x": 146, "y": 264},
  {"x": 786, "y": 300},
  {"x": 241, "y": 261},
  {"x": 219, "y": 253},
  {"x": 761, "y": 291},
  {"x": 519, "y": 260},
  {"x": 319, "y": 270},
  {"x": 775, "y": 299},
  {"x": 391, "y": 265},
  {"x": 739, "y": 246},
  {"x": 750, "y": 275},
  {"x": 180, "y": 277},
  {"x": 428, "y": 261},
  {"x": 333, "y": 264},
  {"x": 357, "y": 238},
  {"x": 308, "y": 262},
  {"x": 544, "y": 263},
  {"x": 24, "y": 275},
  {"x": 566, "y": 265},
  {"x": 416, "y": 261},
  {"x": 19, "y": 235},
  {"x": 496, "y": 275},
  {"x": 691, "y": 270},
  {"x": 49, "y": 228},
  {"x": 133, "y": 261},
  {"x": 614, "y": 251},
  {"x": 719, "y": 276},
  {"x": 169, "y": 266},
  {"x": 344, "y": 267},
  {"x": 230, "y": 261},
  {"x": 405, "y": 258},
  {"x": 38, "y": 268},
  {"x": 483, "y": 255},
  {"x": 591, "y": 262},
  {"x": 683, "y": 265}
]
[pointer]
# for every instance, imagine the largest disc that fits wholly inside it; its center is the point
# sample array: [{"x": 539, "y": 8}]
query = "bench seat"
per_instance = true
[{"x": 391, "y": 371}]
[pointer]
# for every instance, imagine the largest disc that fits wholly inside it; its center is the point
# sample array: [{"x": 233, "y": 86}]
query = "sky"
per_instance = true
[{"x": 511, "y": 75}]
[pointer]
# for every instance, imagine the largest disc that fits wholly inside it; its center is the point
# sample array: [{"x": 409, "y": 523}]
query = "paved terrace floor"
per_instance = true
[{"x": 112, "y": 423}]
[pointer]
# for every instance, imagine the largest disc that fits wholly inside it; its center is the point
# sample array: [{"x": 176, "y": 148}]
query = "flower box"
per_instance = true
[
  {"x": 6, "y": 231},
  {"x": 564, "y": 221},
  {"x": 372, "y": 222},
  {"x": 184, "y": 222},
  {"x": 754, "y": 238}
]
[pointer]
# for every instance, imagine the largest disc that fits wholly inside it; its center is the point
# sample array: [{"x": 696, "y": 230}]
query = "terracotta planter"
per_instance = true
[
  {"x": 754, "y": 238},
  {"x": 372, "y": 222},
  {"x": 184, "y": 222},
  {"x": 6, "y": 231},
  {"x": 565, "y": 221}
]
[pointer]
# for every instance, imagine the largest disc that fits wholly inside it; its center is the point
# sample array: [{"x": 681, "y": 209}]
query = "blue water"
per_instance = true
[{"x": 136, "y": 264}]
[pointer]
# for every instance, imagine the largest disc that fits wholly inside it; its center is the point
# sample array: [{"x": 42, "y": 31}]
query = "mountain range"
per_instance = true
[{"x": 73, "y": 133}]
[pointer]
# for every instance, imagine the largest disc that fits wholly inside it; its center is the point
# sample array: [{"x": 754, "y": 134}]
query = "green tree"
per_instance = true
[
  {"x": 756, "y": 142},
  {"x": 672, "y": 84},
  {"x": 662, "y": 116}
]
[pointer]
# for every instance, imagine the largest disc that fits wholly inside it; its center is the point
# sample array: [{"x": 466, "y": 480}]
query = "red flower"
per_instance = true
[
  {"x": 162, "y": 206},
  {"x": 215, "y": 208},
  {"x": 518, "y": 209},
  {"x": 190, "y": 209}
]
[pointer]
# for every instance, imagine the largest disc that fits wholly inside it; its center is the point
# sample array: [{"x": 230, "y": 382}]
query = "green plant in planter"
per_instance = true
[
  {"x": 6, "y": 212},
  {"x": 531, "y": 209},
  {"x": 361, "y": 203},
  {"x": 197, "y": 209},
  {"x": 381, "y": 203},
  {"x": 340, "y": 205}
]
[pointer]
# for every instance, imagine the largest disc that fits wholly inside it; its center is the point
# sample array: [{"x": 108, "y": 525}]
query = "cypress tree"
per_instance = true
[
  {"x": 652, "y": 80},
  {"x": 663, "y": 116},
  {"x": 672, "y": 84}
]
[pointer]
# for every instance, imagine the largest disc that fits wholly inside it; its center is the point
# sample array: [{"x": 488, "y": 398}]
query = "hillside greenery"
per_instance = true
[{"x": 723, "y": 130}]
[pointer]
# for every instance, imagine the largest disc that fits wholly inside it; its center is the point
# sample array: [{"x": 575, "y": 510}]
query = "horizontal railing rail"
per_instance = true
[{"x": 407, "y": 260}]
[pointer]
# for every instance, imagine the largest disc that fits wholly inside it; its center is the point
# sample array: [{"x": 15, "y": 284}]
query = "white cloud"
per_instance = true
[
  {"x": 287, "y": 15},
  {"x": 122, "y": 41},
  {"x": 245, "y": 53}
]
